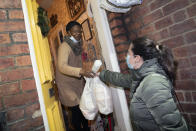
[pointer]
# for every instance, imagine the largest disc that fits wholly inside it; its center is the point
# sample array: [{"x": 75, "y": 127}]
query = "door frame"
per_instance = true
[
  {"x": 108, "y": 52},
  {"x": 34, "y": 65}
]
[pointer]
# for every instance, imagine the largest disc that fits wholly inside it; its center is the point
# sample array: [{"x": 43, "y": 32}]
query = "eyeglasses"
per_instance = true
[{"x": 76, "y": 32}]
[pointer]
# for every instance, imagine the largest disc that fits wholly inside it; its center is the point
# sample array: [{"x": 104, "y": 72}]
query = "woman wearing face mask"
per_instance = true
[
  {"x": 69, "y": 74},
  {"x": 151, "y": 79}
]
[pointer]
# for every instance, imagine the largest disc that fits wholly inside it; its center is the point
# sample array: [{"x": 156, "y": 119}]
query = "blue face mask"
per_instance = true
[{"x": 128, "y": 64}]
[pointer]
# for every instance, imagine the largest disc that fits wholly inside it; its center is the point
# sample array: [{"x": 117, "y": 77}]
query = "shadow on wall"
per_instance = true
[{"x": 3, "y": 123}]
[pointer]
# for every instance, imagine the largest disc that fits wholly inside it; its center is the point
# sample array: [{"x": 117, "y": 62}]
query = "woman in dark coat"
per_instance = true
[{"x": 150, "y": 80}]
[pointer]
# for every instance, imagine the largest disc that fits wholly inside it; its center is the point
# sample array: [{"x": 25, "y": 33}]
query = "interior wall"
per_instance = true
[{"x": 90, "y": 47}]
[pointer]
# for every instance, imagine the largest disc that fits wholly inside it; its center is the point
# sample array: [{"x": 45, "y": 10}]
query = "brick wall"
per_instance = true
[
  {"x": 18, "y": 95},
  {"x": 169, "y": 22}
]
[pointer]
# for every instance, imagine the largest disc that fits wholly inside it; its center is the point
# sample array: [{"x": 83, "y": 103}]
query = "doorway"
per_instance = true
[{"x": 47, "y": 77}]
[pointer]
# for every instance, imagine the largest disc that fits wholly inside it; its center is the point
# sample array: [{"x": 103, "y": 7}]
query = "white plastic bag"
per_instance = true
[
  {"x": 87, "y": 103},
  {"x": 103, "y": 96}
]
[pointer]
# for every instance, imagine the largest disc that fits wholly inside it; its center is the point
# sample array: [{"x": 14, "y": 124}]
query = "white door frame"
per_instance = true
[
  {"x": 34, "y": 65},
  {"x": 108, "y": 52}
]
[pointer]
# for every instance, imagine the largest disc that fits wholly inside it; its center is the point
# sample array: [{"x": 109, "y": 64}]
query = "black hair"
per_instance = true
[
  {"x": 71, "y": 24},
  {"x": 148, "y": 49}
]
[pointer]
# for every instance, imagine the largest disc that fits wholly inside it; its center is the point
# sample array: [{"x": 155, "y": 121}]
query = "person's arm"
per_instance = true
[
  {"x": 63, "y": 54},
  {"x": 156, "y": 94},
  {"x": 116, "y": 78}
]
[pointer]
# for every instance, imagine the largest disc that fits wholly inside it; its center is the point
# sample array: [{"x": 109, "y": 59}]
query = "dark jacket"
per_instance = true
[{"x": 152, "y": 106}]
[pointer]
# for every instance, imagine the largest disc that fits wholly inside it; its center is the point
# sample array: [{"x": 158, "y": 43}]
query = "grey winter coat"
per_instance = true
[{"x": 152, "y": 106}]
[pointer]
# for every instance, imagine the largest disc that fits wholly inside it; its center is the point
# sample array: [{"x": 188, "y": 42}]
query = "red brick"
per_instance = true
[
  {"x": 193, "y": 119},
  {"x": 132, "y": 35},
  {"x": 41, "y": 129},
  {"x": 134, "y": 26},
  {"x": 194, "y": 96},
  {"x": 179, "y": 16},
  {"x": 193, "y": 73},
  {"x": 146, "y": 30},
  {"x": 185, "y": 85},
  {"x": 16, "y": 14},
  {"x": 12, "y": 26},
  {"x": 117, "y": 31},
  {"x": 185, "y": 74},
  {"x": 122, "y": 47},
  {"x": 176, "y": 5},
  {"x": 192, "y": 10},
  {"x": 189, "y": 107},
  {"x": 193, "y": 61},
  {"x": 140, "y": 11},
  {"x": 188, "y": 96},
  {"x": 9, "y": 89},
  {"x": 28, "y": 85},
  {"x": 155, "y": 37},
  {"x": 10, "y": 4},
  {"x": 180, "y": 96},
  {"x": 163, "y": 23},
  {"x": 192, "y": 49},
  {"x": 152, "y": 17},
  {"x": 3, "y": 15},
  {"x": 36, "y": 122},
  {"x": 180, "y": 52},
  {"x": 15, "y": 114},
  {"x": 191, "y": 37},
  {"x": 27, "y": 124},
  {"x": 182, "y": 27},
  {"x": 116, "y": 22},
  {"x": 114, "y": 15},
  {"x": 122, "y": 56},
  {"x": 6, "y": 63},
  {"x": 19, "y": 37},
  {"x": 4, "y": 38},
  {"x": 177, "y": 74},
  {"x": 160, "y": 35},
  {"x": 23, "y": 60},
  {"x": 174, "y": 42},
  {"x": 14, "y": 49},
  {"x": 31, "y": 109},
  {"x": 20, "y": 99},
  {"x": 16, "y": 74},
  {"x": 183, "y": 62},
  {"x": 127, "y": 20},
  {"x": 158, "y": 3},
  {"x": 120, "y": 39}
]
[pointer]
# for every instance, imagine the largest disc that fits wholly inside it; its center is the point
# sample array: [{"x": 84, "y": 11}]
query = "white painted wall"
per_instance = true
[{"x": 109, "y": 54}]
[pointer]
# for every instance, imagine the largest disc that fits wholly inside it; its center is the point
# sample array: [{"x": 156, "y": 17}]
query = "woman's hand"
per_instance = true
[
  {"x": 97, "y": 74},
  {"x": 88, "y": 74}
]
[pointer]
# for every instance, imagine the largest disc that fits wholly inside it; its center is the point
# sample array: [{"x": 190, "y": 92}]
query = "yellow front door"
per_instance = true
[{"x": 44, "y": 64}]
